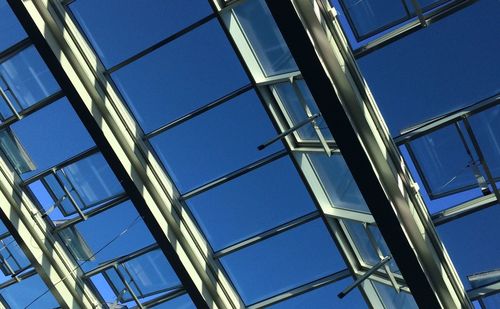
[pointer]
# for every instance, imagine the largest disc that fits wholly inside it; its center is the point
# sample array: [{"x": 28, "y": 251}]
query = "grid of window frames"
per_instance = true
[
  {"x": 251, "y": 218},
  {"x": 75, "y": 191}
]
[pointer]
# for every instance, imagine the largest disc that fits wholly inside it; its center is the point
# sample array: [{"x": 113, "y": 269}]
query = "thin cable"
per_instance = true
[{"x": 86, "y": 260}]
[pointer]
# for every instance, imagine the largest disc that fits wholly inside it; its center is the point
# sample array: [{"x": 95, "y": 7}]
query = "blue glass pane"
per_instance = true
[
  {"x": 472, "y": 242},
  {"x": 337, "y": 181},
  {"x": 492, "y": 301},
  {"x": 444, "y": 161},
  {"x": 325, "y": 297},
  {"x": 26, "y": 292},
  {"x": 26, "y": 79},
  {"x": 296, "y": 111},
  {"x": 283, "y": 262},
  {"x": 486, "y": 127},
  {"x": 92, "y": 181},
  {"x": 12, "y": 32},
  {"x": 114, "y": 233},
  {"x": 217, "y": 142},
  {"x": 120, "y": 28},
  {"x": 181, "y": 302},
  {"x": 151, "y": 273},
  {"x": 252, "y": 203},
  {"x": 178, "y": 78},
  {"x": 367, "y": 16},
  {"x": 13, "y": 254},
  {"x": 56, "y": 142},
  {"x": 458, "y": 67},
  {"x": 265, "y": 37}
]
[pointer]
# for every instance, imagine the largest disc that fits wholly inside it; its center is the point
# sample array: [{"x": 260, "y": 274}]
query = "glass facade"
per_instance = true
[{"x": 173, "y": 155}]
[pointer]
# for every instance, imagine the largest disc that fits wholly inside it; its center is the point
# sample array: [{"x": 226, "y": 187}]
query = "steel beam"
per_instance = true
[
  {"x": 120, "y": 140},
  {"x": 372, "y": 157},
  {"x": 50, "y": 259}
]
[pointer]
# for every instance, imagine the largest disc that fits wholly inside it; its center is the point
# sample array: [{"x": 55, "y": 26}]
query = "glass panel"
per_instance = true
[
  {"x": 337, "y": 181},
  {"x": 265, "y": 37},
  {"x": 486, "y": 127},
  {"x": 178, "y": 78},
  {"x": 13, "y": 255},
  {"x": 118, "y": 29},
  {"x": 368, "y": 16},
  {"x": 26, "y": 293},
  {"x": 89, "y": 181},
  {"x": 296, "y": 111},
  {"x": 150, "y": 273},
  {"x": 26, "y": 78},
  {"x": 15, "y": 152},
  {"x": 444, "y": 161},
  {"x": 412, "y": 84},
  {"x": 56, "y": 142},
  {"x": 325, "y": 297},
  {"x": 181, "y": 302},
  {"x": 472, "y": 242},
  {"x": 193, "y": 154},
  {"x": 492, "y": 301},
  {"x": 392, "y": 299},
  {"x": 114, "y": 233},
  {"x": 12, "y": 32},
  {"x": 260, "y": 271},
  {"x": 251, "y": 204}
]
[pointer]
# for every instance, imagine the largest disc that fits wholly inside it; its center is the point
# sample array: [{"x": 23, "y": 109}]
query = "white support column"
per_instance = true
[{"x": 53, "y": 263}]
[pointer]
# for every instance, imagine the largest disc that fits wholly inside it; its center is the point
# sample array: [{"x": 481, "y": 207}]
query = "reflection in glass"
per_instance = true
[
  {"x": 337, "y": 181},
  {"x": 296, "y": 111},
  {"x": 26, "y": 79},
  {"x": 259, "y": 271},
  {"x": 265, "y": 38},
  {"x": 486, "y": 127},
  {"x": 15, "y": 152}
]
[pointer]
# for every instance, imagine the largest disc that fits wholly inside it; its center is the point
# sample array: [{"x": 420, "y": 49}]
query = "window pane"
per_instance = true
[
  {"x": 26, "y": 79},
  {"x": 178, "y": 78},
  {"x": 181, "y": 302},
  {"x": 283, "y": 262},
  {"x": 296, "y": 111},
  {"x": 12, "y": 32},
  {"x": 392, "y": 299},
  {"x": 444, "y": 161},
  {"x": 458, "y": 66},
  {"x": 486, "y": 126},
  {"x": 120, "y": 28},
  {"x": 56, "y": 142},
  {"x": 151, "y": 273},
  {"x": 91, "y": 181},
  {"x": 337, "y": 181},
  {"x": 121, "y": 222},
  {"x": 24, "y": 293},
  {"x": 367, "y": 16},
  {"x": 265, "y": 37},
  {"x": 326, "y": 297},
  {"x": 217, "y": 142},
  {"x": 251, "y": 204},
  {"x": 472, "y": 242},
  {"x": 13, "y": 255}
]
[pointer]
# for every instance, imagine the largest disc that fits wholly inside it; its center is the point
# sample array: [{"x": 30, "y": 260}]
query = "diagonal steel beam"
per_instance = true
[{"x": 370, "y": 154}]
